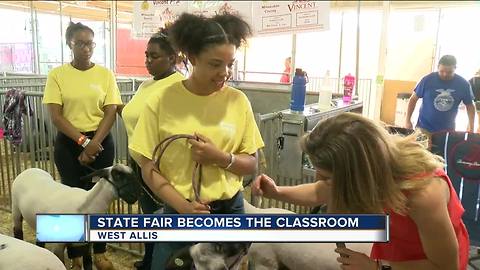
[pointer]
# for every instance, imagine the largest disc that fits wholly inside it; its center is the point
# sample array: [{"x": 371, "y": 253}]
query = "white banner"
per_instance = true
[
  {"x": 265, "y": 17},
  {"x": 150, "y": 16},
  {"x": 212, "y": 8},
  {"x": 216, "y": 235},
  {"x": 282, "y": 17}
]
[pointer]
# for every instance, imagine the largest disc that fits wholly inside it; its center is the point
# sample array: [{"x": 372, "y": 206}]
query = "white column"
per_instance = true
[
  {"x": 377, "y": 89},
  {"x": 61, "y": 31},
  {"x": 113, "y": 36},
  {"x": 34, "y": 26},
  {"x": 294, "y": 53}
]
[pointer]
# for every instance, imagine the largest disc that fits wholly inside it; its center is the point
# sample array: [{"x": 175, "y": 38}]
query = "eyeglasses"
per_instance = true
[{"x": 81, "y": 44}]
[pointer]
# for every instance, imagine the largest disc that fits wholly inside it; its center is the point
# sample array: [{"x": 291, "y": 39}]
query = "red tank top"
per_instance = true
[{"x": 405, "y": 244}]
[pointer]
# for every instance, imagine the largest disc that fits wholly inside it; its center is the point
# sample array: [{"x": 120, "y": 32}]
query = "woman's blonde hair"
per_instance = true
[{"x": 370, "y": 167}]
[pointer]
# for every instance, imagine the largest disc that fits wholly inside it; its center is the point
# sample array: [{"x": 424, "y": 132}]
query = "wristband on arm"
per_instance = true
[{"x": 232, "y": 160}]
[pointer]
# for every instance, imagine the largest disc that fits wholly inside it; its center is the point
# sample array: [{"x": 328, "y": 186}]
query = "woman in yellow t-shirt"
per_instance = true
[
  {"x": 82, "y": 99},
  {"x": 204, "y": 105},
  {"x": 160, "y": 60}
]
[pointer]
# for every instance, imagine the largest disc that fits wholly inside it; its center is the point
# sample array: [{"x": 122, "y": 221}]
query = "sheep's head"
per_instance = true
[
  {"x": 122, "y": 178},
  {"x": 125, "y": 182},
  {"x": 209, "y": 256}
]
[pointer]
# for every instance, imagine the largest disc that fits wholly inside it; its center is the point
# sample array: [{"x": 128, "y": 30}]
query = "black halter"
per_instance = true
[{"x": 129, "y": 191}]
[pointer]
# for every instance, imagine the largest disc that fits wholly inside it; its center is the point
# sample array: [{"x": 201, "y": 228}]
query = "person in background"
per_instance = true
[
  {"x": 160, "y": 60},
  {"x": 218, "y": 115},
  {"x": 441, "y": 93},
  {"x": 365, "y": 170},
  {"x": 475, "y": 84},
  {"x": 82, "y": 99},
  {"x": 286, "y": 72}
]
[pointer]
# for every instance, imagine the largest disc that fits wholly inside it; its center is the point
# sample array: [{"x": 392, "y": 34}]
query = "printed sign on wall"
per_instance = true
[
  {"x": 265, "y": 17},
  {"x": 150, "y": 16},
  {"x": 212, "y": 8},
  {"x": 275, "y": 17}
]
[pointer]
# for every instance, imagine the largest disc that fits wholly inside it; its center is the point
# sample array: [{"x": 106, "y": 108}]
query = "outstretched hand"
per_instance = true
[{"x": 264, "y": 186}]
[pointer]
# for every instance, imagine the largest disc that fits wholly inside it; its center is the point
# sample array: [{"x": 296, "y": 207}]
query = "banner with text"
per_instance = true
[{"x": 265, "y": 17}]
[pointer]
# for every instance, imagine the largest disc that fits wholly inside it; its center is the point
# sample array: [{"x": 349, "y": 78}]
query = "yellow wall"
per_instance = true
[
  {"x": 389, "y": 100},
  {"x": 411, "y": 44}
]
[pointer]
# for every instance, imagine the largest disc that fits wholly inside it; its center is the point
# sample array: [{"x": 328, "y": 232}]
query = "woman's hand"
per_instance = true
[
  {"x": 194, "y": 208},
  {"x": 206, "y": 153},
  {"x": 264, "y": 186},
  {"x": 352, "y": 260},
  {"x": 85, "y": 159},
  {"x": 93, "y": 148}
]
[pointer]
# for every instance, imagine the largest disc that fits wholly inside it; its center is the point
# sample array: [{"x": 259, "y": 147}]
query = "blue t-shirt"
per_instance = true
[{"x": 440, "y": 100}]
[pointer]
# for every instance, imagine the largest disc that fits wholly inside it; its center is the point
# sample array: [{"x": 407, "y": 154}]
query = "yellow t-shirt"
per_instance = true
[
  {"x": 83, "y": 94},
  {"x": 131, "y": 111},
  {"x": 225, "y": 117}
]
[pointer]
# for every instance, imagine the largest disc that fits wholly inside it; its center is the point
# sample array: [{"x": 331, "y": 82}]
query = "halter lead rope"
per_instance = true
[{"x": 157, "y": 156}]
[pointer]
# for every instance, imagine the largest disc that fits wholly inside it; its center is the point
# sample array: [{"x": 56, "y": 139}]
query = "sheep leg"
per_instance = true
[
  {"x": 80, "y": 252},
  {"x": 18, "y": 233},
  {"x": 17, "y": 222},
  {"x": 87, "y": 261},
  {"x": 87, "y": 257}
]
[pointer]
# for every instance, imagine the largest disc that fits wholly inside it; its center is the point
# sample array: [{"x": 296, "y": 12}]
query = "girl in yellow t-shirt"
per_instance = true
[
  {"x": 160, "y": 60},
  {"x": 204, "y": 105},
  {"x": 82, "y": 99}
]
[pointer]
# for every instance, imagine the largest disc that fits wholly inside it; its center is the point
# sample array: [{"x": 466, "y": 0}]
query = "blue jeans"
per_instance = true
[{"x": 162, "y": 251}]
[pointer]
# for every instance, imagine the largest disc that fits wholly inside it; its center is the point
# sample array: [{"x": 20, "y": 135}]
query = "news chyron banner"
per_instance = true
[{"x": 216, "y": 228}]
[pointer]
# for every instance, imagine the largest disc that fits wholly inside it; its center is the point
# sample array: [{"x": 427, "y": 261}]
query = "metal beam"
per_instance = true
[
  {"x": 340, "y": 54},
  {"x": 113, "y": 36},
  {"x": 34, "y": 26},
  {"x": 294, "y": 56},
  {"x": 357, "y": 54},
  {"x": 382, "y": 59},
  {"x": 61, "y": 31}
]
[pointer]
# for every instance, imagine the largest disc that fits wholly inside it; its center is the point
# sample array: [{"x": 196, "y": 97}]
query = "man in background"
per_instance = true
[{"x": 441, "y": 93}]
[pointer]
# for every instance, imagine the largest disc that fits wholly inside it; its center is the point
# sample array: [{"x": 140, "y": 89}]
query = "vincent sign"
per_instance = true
[
  {"x": 273, "y": 17},
  {"x": 265, "y": 17}
]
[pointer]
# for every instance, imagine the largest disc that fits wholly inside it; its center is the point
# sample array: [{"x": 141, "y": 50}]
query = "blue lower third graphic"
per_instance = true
[{"x": 60, "y": 228}]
